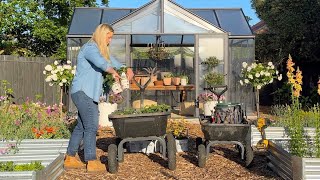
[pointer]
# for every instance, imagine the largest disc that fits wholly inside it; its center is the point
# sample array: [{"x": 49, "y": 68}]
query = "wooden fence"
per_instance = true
[{"x": 25, "y": 74}]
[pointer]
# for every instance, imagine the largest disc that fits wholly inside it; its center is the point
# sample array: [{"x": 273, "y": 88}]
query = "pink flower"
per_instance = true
[{"x": 204, "y": 97}]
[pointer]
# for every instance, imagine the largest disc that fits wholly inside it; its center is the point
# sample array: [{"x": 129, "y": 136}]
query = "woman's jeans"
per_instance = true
[{"x": 86, "y": 128}]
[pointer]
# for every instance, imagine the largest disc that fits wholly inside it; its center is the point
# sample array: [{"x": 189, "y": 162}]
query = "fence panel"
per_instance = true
[{"x": 26, "y": 78}]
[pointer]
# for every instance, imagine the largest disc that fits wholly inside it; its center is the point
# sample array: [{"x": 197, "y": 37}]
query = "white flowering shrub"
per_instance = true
[
  {"x": 59, "y": 74},
  {"x": 258, "y": 74}
]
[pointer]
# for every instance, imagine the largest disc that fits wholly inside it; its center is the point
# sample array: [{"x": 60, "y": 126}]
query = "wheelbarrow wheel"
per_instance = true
[
  {"x": 198, "y": 141},
  {"x": 112, "y": 159},
  {"x": 248, "y": 155},
  {"x": 171, "y": 151},
  {"x": 201, "y": 156}
]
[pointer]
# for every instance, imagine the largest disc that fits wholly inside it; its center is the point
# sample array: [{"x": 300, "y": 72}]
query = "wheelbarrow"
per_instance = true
[
  {"x": 227, "y": 125},
  {"x": 141, "y": 127}
]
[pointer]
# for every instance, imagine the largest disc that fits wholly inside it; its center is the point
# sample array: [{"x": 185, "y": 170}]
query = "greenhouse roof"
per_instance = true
[{"x": 158, "y": 17}]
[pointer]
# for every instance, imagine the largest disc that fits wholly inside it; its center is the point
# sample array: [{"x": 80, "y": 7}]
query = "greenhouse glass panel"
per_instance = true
[
  {"x": 85, "y": 21},
  {"x": 241, "y": 50},
  {"x": 207, "y": 15},
  {"x": 233, "y": 21},
  {"x": 111, "y": 15},
  {"x": 210, "y": 46},
  {"x": 118, "y": 48},
  {"x": 174, "y": 24},
  {"x": 74, "y": 45},
  {"x": 146, "y": 20}
]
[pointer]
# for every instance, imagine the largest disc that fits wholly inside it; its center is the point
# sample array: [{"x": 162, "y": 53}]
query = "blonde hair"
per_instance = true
[{"x": 99, "y": 37}]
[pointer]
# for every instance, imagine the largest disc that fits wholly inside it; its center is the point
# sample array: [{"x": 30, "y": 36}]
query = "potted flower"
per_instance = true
[
  {"x": 258, "y": 75},
  {"x": 178, "y": 127},
  {"x": 209, "y": 101},
  {"x": 167, "y": 79}
]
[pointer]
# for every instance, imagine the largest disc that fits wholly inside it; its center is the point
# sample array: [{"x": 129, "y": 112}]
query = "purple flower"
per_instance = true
[{"x": 17, "y": 122}]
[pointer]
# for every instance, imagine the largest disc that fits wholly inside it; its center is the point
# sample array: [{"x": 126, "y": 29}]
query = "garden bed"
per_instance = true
[
  {"x": 53, "y": 166},
  {"x": 292, "y": 167}
]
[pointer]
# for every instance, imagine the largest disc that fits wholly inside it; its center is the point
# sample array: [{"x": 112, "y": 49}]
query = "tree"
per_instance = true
[
  {"x": 37, "y": 27},
  {"x": 294, "y": 27}
]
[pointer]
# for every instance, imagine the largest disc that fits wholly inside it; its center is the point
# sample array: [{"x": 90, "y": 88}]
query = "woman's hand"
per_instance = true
[
  {"x": 130, "y": 74},
  {"x": 114, "y": 73}
]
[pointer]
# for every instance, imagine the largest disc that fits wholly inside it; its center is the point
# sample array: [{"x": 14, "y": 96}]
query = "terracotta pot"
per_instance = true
[
  {"x": 167, "y": 81},
  {"x": 176, "y": 81},
  {"x": 158, "y": 83}
]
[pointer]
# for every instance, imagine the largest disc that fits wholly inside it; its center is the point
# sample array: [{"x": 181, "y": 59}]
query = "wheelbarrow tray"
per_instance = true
[
  {"x": 140, "y": 125},
  {"x": 226, "y": 132}
]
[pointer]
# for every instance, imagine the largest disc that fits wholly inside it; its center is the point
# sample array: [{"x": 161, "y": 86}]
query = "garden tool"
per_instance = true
[{"x": 262, "y": 124}]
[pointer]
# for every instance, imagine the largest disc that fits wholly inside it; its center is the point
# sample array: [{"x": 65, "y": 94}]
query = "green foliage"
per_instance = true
[
  {"x": 37, "y": 28},
  {"x": 293, "y": 26},
  {"x": 211, "y": 62},
  {"x": 147, "y": 109},
  {"x": 294, "y": 119},
  {"x": 213, "y": 78},
  {"x": 10, "y": 166},
  {"x": 168, "y": 75}
]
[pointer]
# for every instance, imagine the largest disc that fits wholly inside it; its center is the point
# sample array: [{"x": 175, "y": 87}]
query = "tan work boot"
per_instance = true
[
  {"x": 71, "y": 162},
  {"x": 95, "y": 166}
]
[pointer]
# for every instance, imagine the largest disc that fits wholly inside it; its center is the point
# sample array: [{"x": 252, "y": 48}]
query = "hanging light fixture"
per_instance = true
[{"x": 158, "y": 50}]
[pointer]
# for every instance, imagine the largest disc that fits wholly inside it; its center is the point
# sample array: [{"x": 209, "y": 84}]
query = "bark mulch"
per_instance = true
[{"x": 223, "y": 163}]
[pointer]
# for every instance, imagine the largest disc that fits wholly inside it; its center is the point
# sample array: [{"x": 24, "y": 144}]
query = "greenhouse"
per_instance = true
[{"x": 175, "y": 40}]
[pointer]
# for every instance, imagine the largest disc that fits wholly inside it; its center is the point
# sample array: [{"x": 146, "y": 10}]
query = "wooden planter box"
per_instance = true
[
  {"x": 53, "y": 168},
  {"x": 292, "y": 167}
]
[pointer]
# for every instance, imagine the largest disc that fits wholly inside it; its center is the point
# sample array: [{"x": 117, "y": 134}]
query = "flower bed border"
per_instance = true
[{"x": 289, "y": 166}]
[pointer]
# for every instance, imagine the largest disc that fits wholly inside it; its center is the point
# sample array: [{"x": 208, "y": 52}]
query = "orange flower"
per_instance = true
[
  {"x": 296, "y": 93},
  {"x": 299, "y": 76},
  {"x": 34, "y": 130},
  {"x": 290, "y": 64},
  {"x": 49, "y": 129}
]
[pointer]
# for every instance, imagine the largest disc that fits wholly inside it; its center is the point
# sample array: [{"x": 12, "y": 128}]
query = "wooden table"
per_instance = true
[{"x": 183, "y": 89}]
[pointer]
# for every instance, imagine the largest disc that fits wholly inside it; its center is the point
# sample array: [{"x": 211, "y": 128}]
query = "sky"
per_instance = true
[{"x": 244, "y": 4}]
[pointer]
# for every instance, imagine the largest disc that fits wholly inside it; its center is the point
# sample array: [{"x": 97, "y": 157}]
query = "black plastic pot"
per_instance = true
[{"x": 140, "y": 125}]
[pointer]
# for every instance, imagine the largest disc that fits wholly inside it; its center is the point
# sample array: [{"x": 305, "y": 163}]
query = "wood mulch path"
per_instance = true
[{"x": 223, "y": 163}]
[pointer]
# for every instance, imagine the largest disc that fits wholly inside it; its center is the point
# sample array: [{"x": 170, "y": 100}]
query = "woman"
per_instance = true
[{"x": 93, "y": 60}]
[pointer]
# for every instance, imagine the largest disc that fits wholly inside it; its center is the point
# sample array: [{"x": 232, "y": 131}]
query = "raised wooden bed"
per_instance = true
[{"x": 292, "y": 167}]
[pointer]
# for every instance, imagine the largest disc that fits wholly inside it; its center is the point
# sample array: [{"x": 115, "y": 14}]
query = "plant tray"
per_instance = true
[{"x": 140, "y": 125}]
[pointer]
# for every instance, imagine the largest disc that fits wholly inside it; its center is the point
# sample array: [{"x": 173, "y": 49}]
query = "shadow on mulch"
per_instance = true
[{"x": 258, "y": 165}]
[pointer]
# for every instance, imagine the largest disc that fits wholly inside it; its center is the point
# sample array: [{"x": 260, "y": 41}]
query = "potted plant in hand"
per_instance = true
[
  {"x": 124, "y": 80},
  {"x": 167, "y": 79},
  {"x": 178, "y": 127},
  {"x": 109, "y": 82}
]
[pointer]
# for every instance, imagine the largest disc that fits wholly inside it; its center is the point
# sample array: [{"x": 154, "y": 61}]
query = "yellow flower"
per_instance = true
[
  {"x": 299, "y": 76},
  {"x": 290, "y": 64},
  {"x": 296, "y": 93}
]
